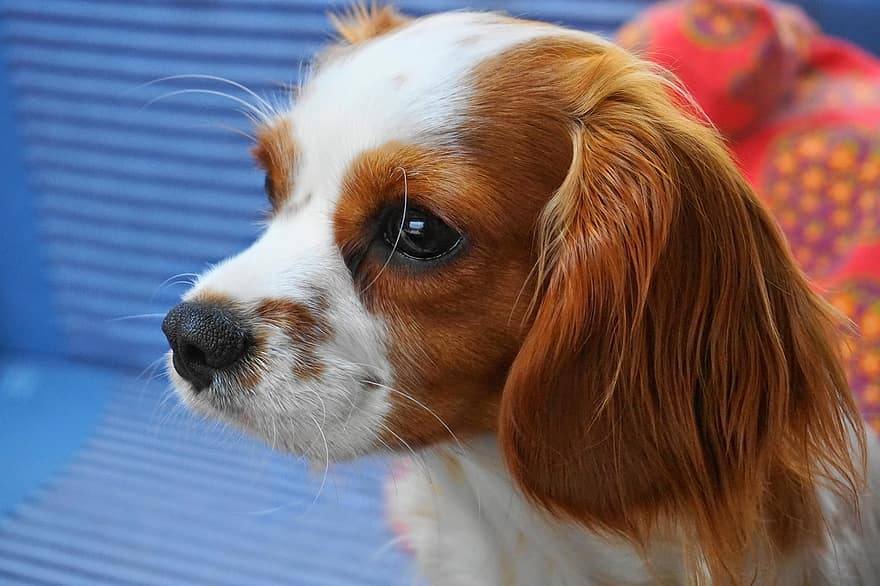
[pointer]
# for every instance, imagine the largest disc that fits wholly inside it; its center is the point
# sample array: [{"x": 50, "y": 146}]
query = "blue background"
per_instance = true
[{"x": 103, "y": 478}]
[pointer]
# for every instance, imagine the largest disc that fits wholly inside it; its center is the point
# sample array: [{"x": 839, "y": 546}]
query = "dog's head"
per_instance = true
[{"x": 485, "y": 225}]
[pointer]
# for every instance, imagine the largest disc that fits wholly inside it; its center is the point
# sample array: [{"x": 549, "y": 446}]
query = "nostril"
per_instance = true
[
  {"x": 204, "y": 339},
  {"x": 192, "y": 354}
]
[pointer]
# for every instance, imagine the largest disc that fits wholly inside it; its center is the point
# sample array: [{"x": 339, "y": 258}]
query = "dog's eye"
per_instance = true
[
  {"x": 269, "y": 187},
  {"x": 419, "y": 234}
]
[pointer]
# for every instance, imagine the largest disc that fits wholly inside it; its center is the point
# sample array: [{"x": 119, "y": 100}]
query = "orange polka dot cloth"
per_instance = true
[{"x": 801, "y": 112}]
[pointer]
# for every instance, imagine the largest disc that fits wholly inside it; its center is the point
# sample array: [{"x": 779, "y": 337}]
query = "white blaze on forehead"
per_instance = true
[
  {"x": 410, "y": 85},
  {"x": 291, "y": 259}
]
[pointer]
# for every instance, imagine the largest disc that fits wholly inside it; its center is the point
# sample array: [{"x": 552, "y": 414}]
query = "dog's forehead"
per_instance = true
[{"x": 411, "y": 85}]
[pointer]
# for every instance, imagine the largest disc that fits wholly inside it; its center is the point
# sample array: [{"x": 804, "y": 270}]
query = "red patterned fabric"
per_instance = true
[{"x": 801, "y": 112}]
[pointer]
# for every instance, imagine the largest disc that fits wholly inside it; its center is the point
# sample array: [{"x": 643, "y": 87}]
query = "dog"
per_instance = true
[{"x": 515, "y": 251}]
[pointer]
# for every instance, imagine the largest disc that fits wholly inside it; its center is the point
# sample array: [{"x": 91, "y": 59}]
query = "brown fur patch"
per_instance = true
[
  {"x": 676, "y": 368},
  {"x": 213, "y": 297},
  {"x": 304, "y": 327},
  {"x": 469, "y": 302},
  {"x": 248, "y": 379},
  {"x": 250, "y": 374},
  {"x": 362, "y": 22},
  {"x": 678, "y": 365},
  {"x": 275, "y": 153}
]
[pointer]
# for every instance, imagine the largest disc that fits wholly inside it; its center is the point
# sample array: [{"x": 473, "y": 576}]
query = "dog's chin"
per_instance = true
[{"x": 292, "y": 418}]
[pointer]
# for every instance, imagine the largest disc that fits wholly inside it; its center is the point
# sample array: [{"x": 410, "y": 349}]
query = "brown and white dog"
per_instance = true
[{"x": 507, "y": 246}]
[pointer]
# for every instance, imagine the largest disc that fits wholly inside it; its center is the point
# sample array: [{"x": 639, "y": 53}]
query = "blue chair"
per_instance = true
[{"x": 114, "y": 193}]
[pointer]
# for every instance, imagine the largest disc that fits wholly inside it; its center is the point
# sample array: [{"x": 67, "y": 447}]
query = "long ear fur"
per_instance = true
[{"x": 678, "y": 368}]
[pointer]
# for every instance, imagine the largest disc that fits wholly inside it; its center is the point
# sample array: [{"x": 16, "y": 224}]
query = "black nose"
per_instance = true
[{"x": 204, "y": 338}]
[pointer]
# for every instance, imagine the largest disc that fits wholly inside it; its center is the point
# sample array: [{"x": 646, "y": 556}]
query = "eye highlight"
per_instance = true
[{"x": 417, "y": 234}]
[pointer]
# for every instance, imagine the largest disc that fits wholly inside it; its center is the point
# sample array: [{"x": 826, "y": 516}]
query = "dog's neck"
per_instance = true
[{"x": 462, "y": 514}]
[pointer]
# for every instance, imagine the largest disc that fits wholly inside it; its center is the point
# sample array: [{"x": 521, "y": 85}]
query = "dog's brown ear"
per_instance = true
[
  {"x": 678, "y": 366},
  {"x": 362, "y": 21}
]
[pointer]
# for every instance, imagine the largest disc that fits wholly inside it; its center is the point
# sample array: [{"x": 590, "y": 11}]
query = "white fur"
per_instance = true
[
  {"x": 411, "y": 86},
  {"x": 469, "y": 526}
]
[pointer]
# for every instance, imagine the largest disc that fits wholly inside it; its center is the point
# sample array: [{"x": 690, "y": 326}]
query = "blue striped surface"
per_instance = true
[
  {"x": 156, "y": 497},
  {"x": 128, "y": 195},
  {"x": 47, "y": 410},
  {"x": 22, "y": 331}
]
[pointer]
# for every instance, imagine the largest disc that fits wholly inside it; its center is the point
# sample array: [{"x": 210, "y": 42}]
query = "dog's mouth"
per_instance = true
[
  {"x": 337, "y": 417},
  {"x": 276, "y": 369},
  {"x": 218, "y": 392}
]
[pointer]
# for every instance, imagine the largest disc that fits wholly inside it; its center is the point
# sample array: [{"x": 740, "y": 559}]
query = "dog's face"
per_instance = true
[
  {"x": 379, "y": 308},
  {"x": 488, "y": 225}
]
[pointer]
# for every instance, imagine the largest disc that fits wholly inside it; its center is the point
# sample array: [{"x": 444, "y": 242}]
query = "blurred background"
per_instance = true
[{"x": 112, "y": 200}]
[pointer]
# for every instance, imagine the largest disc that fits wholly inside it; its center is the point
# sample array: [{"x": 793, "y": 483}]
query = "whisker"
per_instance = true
[
  {"x": 326, "y": 461},
  {"x": 136, "y": 316},
  {"x": 351, "y": 407},
  {"x": 173, "y": 278},
  {"x": 250, "y": 107},
  {"x": 225, "y": 80},
  {"x": 391, "y": 452},
  {"x": 274, "y": 433},
  {"x": 186, "y": 282},
  {"x": 304, "y": 73},
  {"x": 276, "y": 102},
  {"x": 152, "y": 365},
  {"x": 306, "y": 451},
  {"x": 167, "y": 411},
  {"x": 251, "y": 118},
  {"x": 419, "y": 461},
  {"x": 320, "y": 488},
  {"x": 169, "y": 395},
  {"x": 417, "y": 457},
  {"x": 150, "y": 372},
  {"x": 225, "y": 127},
  {"x": 323, "y": 406},
  {"x": 399, "y": 233},
  {"x": 422, "y": 405},
  {"x": 386, "y": 547},
  {"x": 308, "y": 448},
  {"x": 235, "y": 130}
]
